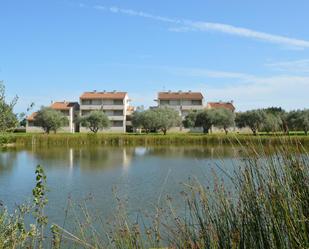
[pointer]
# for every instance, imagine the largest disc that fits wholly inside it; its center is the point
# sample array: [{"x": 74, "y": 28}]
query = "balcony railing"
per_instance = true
[
  {"x": 116, "y": 118},
  {"x": 184, "y": 107},
  {"x": 192, "y": 107},
  {"x": 100, "y": 107}
]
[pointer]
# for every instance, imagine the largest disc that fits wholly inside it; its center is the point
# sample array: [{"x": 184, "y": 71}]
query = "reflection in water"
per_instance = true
[
  {"x": 127, "y": 157},
  {"x": 141, "y": 174},
  {"x": 71, "y": 152},
  {"x": 198, "y": 152},
  {"x": 140, "y": 151},
  {"x": 7, "y": 160},
  {"x": 82, "y": 157},
  {"x": 91, "y": 158}
]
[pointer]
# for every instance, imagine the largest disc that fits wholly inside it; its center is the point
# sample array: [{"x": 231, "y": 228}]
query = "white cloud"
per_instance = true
[
  {"x": 296, "y": 66},
  {"x": 247, "y": 90},
  {"x": 190, "y": 25},
  {"x": 289, "y": 92}
]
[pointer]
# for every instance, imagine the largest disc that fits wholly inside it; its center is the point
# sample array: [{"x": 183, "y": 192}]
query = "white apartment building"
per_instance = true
[
  {"x": 69, "y": 109},
  {"x": 183, "y": 102},
  {"x": 114, "y": 104}
]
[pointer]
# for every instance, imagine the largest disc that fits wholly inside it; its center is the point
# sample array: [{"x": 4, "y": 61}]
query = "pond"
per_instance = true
[{"x": 140, "y": 175}]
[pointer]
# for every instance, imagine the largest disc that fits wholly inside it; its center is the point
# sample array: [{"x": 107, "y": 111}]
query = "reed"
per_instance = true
[{"x": 144, "y": 139}]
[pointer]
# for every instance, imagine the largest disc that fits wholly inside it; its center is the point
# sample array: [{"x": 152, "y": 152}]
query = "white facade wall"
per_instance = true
[
  {"x": 115, "y": 112},
  {"x": 183, "y": 107}
]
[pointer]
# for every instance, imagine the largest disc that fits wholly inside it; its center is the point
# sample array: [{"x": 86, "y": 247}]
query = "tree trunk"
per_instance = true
[
  {"x": 205, "y": 130},
  {"x": 226, "y": 130},
  {"x": 94, "y": 129},
  {"x": 164, "y": 131},
  {"x": 254, "y": 131}
]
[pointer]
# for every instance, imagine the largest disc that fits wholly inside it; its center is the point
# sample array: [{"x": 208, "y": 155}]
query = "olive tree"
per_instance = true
[
  {"x": 50, "y": 119},
  {"x": 276, "y": 119},
  {"x": 271, "y": 123},
  {"x": 223, "y": 118},
  {"x": 205, "y": 119},
  {"x": 252, "y": 119},
  {"x": 95, "y": 121},
  {"x": 190, "y": 119},
  {"x": 156, "y": 119},
  {"x": 145, "y": 119},
  {"x": 304, "y": 121},
  {"x": 8, "y": 119},
  {"x": 166, "y": 118},
  {"x": 137, "y": 119},
  {"x": 298, "y": 120}
]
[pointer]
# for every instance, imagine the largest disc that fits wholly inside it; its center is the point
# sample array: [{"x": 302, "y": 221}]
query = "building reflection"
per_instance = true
[{"x": 84, "y": 158}]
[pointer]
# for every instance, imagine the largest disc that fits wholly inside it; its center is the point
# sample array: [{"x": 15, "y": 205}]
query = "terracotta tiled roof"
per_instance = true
[
  {"x": 103, "y": 95},
  {"x": 225, "y": 105},
  {"x": 63, "y": 105},
  {"x": 32, "y": 116},
  {"x": 180, "y": 95}
]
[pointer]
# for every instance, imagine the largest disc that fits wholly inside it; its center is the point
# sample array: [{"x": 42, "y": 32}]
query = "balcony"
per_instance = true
[
  {"x": 116, "y": 118},
  {"x": 192, "y": 107},
  {"x": 100, "y": 107},
  {"x": 184, "y": 107}
]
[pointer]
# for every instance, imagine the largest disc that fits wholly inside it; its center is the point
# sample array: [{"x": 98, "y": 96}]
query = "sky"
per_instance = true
[{"x": 255, "y": 53}]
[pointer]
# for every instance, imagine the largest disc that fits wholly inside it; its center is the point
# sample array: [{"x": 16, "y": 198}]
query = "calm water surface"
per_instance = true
[{"x": 140, "y": 175}]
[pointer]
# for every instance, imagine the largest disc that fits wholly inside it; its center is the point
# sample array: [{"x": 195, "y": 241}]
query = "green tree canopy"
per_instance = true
[
  {"x": 272, "y": 123},
  {"x": 166, "y": 118},
  {"x": 156, "y": 119},
  {"x": 8, "y": 120},
  {"x": 205, "y": 119},
  {"x": 252, "y": 119},
  {"x": 278, "y": 117},
  {"x": 50, "y": 119},
  {"x": 137, "y": 119},
  {"x": 298, "y": 120},
  {"x": 304, "y": 121},
  {"x": 190, "y": 119},
  {"x": 95, "y": 121},
  {"x": 223, "y": 118}
]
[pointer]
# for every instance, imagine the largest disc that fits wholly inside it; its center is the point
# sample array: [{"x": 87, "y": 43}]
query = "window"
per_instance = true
[
  {"x": 117, "y": 123},
  {"x": 97, "y": 102},
  {"x": 186, "y": 102},
  {"x": 108, "y": 102},
  {"x": 109, "y": 112},
  {"x": 118, "y": 113},
  {"x": 196, "y": 102},
  {"x": 174, "y": 102},
  {"x": 118, "y": 102},
  {"x": 31, "y": 123},
  {"x": 164, "y": 102},
  {"x": 86, "y": 102}
]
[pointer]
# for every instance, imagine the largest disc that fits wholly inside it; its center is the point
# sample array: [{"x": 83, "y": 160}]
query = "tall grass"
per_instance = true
[
  {"x": 143, "y": 139},
  {"x": 265, "y": 206}
]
